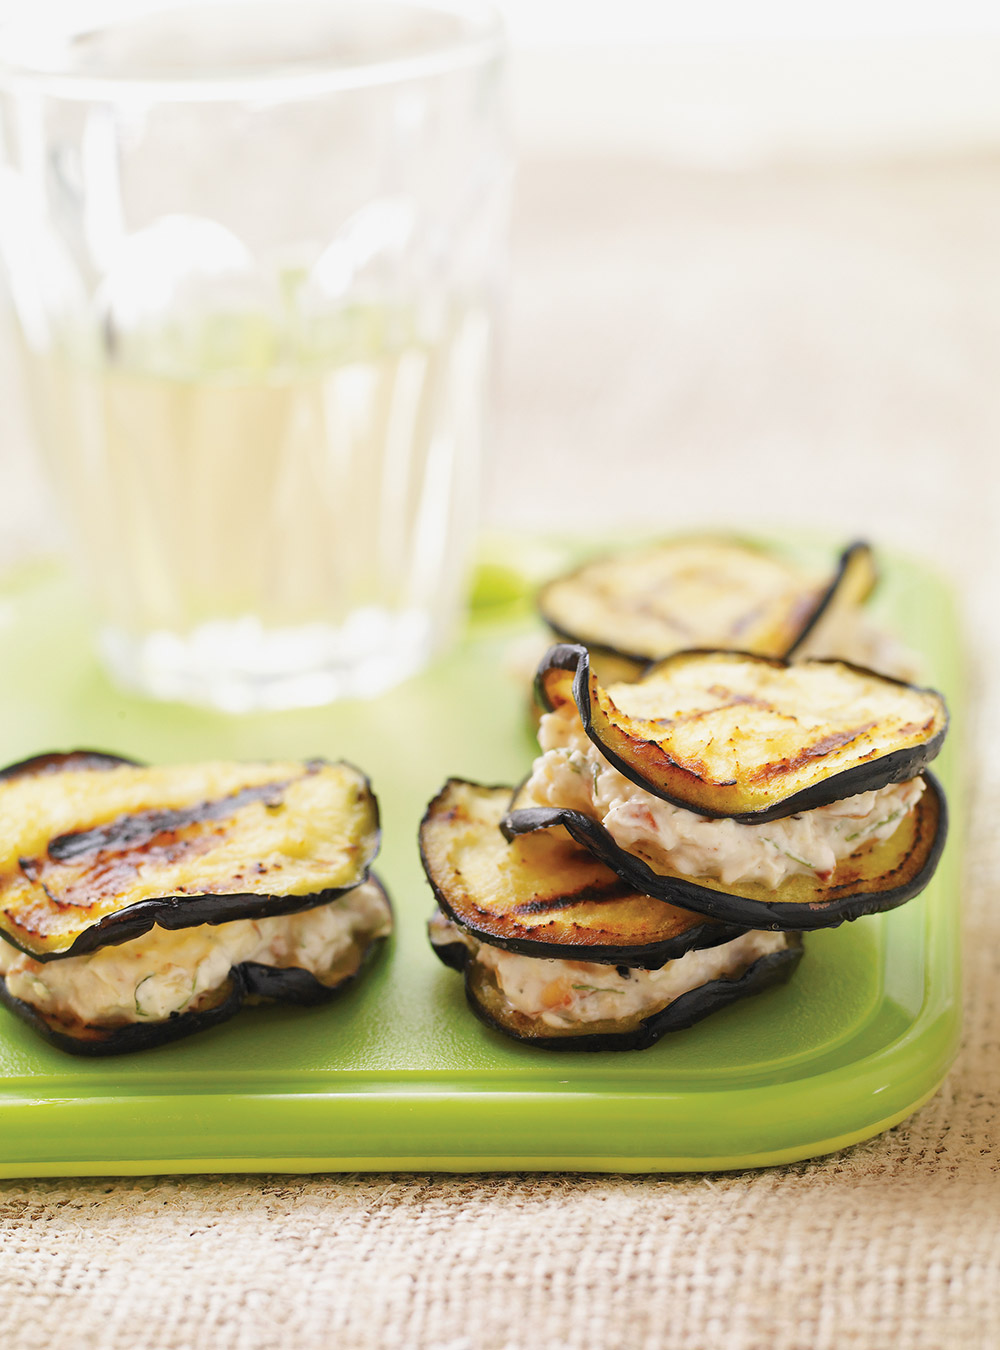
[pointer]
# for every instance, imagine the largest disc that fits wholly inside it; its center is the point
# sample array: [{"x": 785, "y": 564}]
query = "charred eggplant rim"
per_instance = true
[
  {"x": 859, "y": 550},
  {"x": 773, "y": 969},
  {"x": 826, "y": 599},
  {"x": 173, "y": 911},
  {"x": 248, "y": 981},
  {"x": 647, "y": 957},
  {"x": 898, "y": 766},
  {"x": 723, "y": 905},
  {"x": 58, "y": 761}
]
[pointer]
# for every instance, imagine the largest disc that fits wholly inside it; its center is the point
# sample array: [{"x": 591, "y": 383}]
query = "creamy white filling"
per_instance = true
[
  {"x": 565, "y": 993},
  {"x": 164, "y": 972},
  {"x": 572, "y": 773}
]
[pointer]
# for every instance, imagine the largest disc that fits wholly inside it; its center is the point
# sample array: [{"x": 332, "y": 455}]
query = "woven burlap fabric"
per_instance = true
[{"x": 815, "y": 345}]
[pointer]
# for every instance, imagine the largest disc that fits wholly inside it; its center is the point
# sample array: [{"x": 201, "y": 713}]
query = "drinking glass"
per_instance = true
[{"x": 253, "y": 252}]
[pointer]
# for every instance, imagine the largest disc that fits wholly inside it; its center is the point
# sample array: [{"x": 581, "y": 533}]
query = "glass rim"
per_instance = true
[{"x": 483, "y": 41}]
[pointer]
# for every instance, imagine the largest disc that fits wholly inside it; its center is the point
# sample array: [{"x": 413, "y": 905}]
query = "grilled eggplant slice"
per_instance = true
[
  {"x": 751, "y": 738},
  {"x": 97, "y": 850},
  {"x": 880, "y": 876},
  {"x": 636, "y": 1032},
  {"x": 247, "y": 983},
  {"x": 544, "y": 895},
  {"x": 643, "y": 604}
]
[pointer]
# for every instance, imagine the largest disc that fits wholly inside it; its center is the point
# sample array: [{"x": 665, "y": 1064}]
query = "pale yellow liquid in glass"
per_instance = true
[{"x": 306, "y": 520}]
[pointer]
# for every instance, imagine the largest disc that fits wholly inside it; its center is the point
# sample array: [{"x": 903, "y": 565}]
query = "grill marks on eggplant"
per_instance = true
[
  {"x": 699, "y": 592},
  {"x": 544, "y": 895},
  {"x": 826, "y": 745},
  {"x": 94, "y": 864},
  {"x": 193, "y": 845},
  {"x": 136, "y": 831},
  {"x": 729, "y": 734},
  {"x": 611, "y": 889}
]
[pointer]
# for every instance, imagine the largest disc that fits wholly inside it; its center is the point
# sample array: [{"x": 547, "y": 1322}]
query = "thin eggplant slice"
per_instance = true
[
  {"x": 544, "y": 895},
  {"x": 59, "y": 761},
  {"x": 751, "y": 738},
  {"x": 639, "y": 1031},
  {"x": 879, "y": 876},
  {"x": 247, "y": 983},
  {"x": 96, "y": 850},
  {"x": 696, "y": 592},
  {"x": 852, "y": 584}
]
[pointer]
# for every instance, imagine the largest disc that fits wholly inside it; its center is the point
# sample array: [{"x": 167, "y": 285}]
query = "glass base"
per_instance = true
[{"x": 240, "y": 666}]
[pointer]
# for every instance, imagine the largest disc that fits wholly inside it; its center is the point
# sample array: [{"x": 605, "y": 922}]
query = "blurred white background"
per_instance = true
[{"x": 735, "y": 79}]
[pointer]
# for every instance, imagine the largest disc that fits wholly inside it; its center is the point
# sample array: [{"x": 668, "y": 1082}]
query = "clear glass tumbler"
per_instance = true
[{"x": 253, "y": 251}]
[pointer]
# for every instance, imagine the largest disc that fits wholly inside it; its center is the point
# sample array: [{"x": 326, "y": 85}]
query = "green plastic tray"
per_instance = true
[{"x": 397, "y": 1074}]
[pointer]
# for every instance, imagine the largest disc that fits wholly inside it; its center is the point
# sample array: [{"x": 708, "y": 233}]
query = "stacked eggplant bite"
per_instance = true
[
  {"x": 139, "y": 904},
  {"x": 677, "y": 835}
]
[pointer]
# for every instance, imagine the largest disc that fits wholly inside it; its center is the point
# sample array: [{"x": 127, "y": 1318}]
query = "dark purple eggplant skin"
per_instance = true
[
  {"x": 187, "y": 911},
  {"x": 734, "y": 909},
  {"x": 766, "y": 972},
  {"x": 897, "y": 767},
  {"x": 57, "y": 761},
  {"x": 823, "y": 604},
  {"x": 248, "y": 982},
  {"x": 651, "y": 957},
  {"x": 167, "y": 911},
  {"x": 135, "y": 1035},
  {"x": 455, "y": 955}
]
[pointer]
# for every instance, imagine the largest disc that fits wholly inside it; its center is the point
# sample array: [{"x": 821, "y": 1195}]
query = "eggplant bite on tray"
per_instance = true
[
  {"x": 560, "y": 951},
  {"x": 140, "y": 904},
  {"x": 676, "y": 836}
]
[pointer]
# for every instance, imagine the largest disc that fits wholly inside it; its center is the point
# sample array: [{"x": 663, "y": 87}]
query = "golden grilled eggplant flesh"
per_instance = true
[
  {"x": 642, "y": 604},
  {"x": 96, "y": 850},
  {"x": 544, "y": 895},
  {"x": 141, "y": 903},
  {"x": 750, "y": 738}
]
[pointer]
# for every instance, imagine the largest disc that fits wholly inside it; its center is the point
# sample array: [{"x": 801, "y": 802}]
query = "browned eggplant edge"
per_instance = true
[
  {"x": 640, "y": 659},
  {"x": 171, "y": 911},
  {"x": 898, "y": 766},
  {"x": 844, "y": 563},
  {"x": 647, "y": 957},
  {"x": 58, "y": 761},
  {"x": 767, "y": 971},
  {"x": 726, "y": 906},
  {"x": 248, "y": 981}
]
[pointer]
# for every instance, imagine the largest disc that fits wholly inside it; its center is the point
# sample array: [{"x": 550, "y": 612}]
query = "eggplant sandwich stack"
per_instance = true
[
  {"x": 677, "y": 836},
  {"x": 139, "y": 904}
]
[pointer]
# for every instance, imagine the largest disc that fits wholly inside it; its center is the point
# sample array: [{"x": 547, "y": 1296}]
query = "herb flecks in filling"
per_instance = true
[{"x": 572, "y": 773}]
